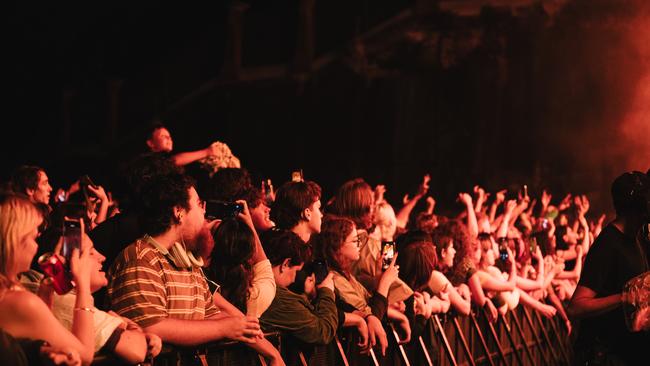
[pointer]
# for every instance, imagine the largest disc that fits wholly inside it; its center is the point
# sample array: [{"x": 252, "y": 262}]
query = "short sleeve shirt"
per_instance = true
[
  {"x": 146, "y": 287},
  {"x": 612, "y": 260}
]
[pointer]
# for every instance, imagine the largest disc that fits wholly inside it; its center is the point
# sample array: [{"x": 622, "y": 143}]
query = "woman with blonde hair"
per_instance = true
[{"x": 25, "y": 315}]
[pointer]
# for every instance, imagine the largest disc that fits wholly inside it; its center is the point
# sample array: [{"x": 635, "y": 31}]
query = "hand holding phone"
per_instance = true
[
  {"x": 71, "y": 239},
  {"x": 219, "y": 210}
]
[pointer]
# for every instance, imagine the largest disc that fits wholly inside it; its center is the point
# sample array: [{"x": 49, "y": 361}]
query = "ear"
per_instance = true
[
  {"x": 306, "y": 214},
  {"x": 285, "y": 264},
  {"x": 30, "y": 192},
  {"x": 178, "y": 213}
]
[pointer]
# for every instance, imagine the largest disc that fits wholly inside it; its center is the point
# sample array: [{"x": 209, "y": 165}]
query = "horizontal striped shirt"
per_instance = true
[{"x": 146, "y": 287}]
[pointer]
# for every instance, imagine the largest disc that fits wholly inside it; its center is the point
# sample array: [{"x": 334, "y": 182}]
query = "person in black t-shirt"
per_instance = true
[{"x": 615, "y": 257}]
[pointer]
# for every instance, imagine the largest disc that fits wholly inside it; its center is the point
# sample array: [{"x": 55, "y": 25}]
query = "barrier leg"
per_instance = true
[
  {"x": 425, "y": 351},
  {"x": 512, "y": 341},
  {"x": 341, "y": 351},
  {"x": 445, "y": 342},
  {"x": 399, "y": 346},
  {"x": 562, "y": 345},
  {"x": 488, "y": 354},
  {"x": 463, "y": 341},
  {"x": 538, "y": 341},
  {"x": 513, "y": 315},
  {"x": 546, "y": 337},
  {"x": 496, "y": 337}
]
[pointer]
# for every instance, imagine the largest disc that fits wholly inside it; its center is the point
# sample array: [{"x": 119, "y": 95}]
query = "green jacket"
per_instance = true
[{"x": 293, "y": 314}]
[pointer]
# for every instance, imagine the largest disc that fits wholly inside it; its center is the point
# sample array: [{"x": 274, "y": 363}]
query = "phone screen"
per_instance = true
[
  {"x": 320, "y": 271},
  {"x": 387, "y": 253},
  {"x": 71, "y": 238},
  {"x": 296, "y": 176},
  {"x": 533, "y": 244},
  {"x": 503, "y": 252}
]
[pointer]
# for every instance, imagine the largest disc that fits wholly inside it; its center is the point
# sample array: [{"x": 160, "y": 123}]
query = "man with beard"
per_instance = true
[{"x": 157, "y": 281}]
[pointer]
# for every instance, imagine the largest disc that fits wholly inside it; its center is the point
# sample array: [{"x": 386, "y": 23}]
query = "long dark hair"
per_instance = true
[
  {"x": 417, "y": 261},
  {"x": 234, "y": 243}
]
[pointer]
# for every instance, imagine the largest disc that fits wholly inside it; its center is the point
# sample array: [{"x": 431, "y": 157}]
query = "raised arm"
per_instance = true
[
  {"x": 472, "y": 224},
  {"x": 404, "y": 213}
]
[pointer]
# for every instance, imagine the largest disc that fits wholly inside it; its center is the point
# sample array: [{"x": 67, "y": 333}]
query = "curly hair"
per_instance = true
[
  {"x": 159, "y": 198},
  {"x": 137, "y": 174},
  {"x": 291, "y": 199},
  {"x": 331, "y": 238},
  {"x": 228, "y": 185},
  {"x": 234, "y": 244},
  {"x": 354, "y": 199}
]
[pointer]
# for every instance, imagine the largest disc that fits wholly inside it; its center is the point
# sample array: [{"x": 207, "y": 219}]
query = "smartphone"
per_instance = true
[
  {"x": 545, "y": 224},
  {"x": 387, "y": 253},
  {"x": 54, "y": 268},
  {"x": 321, "y": 270},
  {"x": 267, "y": 190},
  {"x": 525, "y": 190},
  {"x": 219, "y": 210},
  {"x": 532, "y": 244},
  {"x": 71, "y": 238},
  {"x": 85, "y": 181},
  {"x": 296, "y": 176},
  {"x": 503, "y": 252}
]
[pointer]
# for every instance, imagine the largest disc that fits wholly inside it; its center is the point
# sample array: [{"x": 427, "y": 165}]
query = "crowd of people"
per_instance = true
[{"x": 187, "y": 261}]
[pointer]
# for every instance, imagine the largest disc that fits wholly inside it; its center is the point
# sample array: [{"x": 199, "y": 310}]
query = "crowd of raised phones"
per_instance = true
[{"x": 186, "y": 262}]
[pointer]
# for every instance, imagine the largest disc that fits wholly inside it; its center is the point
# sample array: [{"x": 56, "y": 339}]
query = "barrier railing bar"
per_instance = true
[
  {"x": 495, "y": 336},
  {"x": 488, "y": 354},
  {"x": 374, "y": 357},
  {"x": 463, "y": 341},
  {"x": 515, "y": 350},
  {"x": 556, "y": 358},
  {"x": 303, "y": 361},
  {"x": 425, "y": 351},
  {"x": 399, "y": 346},
  {"x": 560, "y": 342},
  {"x": 341, "y": 352},
  {"x": 513, "y": 315},
  {"x": 443, "y": 337},
  {"x": 262, "y": 360},
  {"x": 538, "y": 341}
]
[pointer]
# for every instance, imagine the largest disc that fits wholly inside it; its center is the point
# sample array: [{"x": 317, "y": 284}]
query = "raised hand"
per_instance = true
[
  {"x": 500, "y": 196},
  {"x": 424, "y": 187},
  {"x": 380, "y": 190},
  {"x": 546, "y": 199},
  {"x": 566, "y": 202}
]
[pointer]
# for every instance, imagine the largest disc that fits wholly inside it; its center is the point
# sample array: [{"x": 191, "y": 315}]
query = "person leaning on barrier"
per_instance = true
[
  {"x": 616, "y": 256},
  {"x": 113, "y": 334},
  {"x": 313, "y": 322},
  {"x": 25, "y": 315},
  {"x": 338, "y": 244},
  {"x": 158, "y": 283}
]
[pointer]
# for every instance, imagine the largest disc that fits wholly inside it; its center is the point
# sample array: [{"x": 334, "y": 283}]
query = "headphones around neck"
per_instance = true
[{"x": 178, "y": 254}]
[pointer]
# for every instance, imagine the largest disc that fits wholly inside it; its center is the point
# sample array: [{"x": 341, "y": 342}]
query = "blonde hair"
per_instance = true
[
  {"x": 385, "y": 220},
  {"x": 18, "y": 217}
]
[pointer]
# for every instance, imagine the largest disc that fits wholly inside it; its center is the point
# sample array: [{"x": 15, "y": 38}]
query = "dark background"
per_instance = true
[{"x": 551, "y": 94}]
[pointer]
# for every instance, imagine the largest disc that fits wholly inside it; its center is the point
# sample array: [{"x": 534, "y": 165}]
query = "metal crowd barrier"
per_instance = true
[{"x": 522, "y": 337}]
